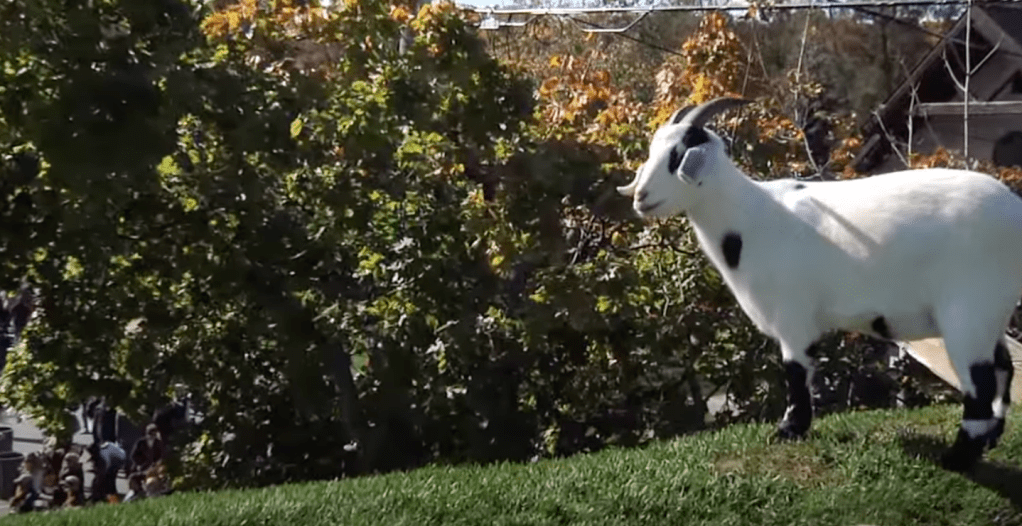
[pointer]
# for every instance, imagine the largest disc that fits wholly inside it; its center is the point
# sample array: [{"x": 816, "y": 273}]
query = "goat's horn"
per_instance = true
[
  {"x": 707, "y": 110},
  {"x": 680, "y": 114},
  {"x": 629, "y": 190}
]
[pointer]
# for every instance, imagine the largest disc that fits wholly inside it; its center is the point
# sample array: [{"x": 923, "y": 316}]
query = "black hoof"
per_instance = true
[
  {"x": 960, "y": 461},
  {"x": 995, "y": 434},
  {"x": 964, "y": 453},
  {"x": 790, "y": 431}
]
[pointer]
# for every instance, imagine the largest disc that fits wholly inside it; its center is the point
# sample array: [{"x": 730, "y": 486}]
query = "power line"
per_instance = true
[
  {"x": 624, "y": 35},
  {"x": 920, "y": 29},
  {"x": 859, "y": 6},
  {"x": 744, "y": 6}
]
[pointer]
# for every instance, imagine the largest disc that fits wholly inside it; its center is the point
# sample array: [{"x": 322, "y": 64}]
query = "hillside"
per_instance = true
[{"x": 875, "y": 467}]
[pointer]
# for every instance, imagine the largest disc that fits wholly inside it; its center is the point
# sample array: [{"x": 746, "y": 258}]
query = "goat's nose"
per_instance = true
[{"x": 641, "y": 196}]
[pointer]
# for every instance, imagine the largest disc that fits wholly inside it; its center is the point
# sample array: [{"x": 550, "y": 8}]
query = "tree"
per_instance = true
[
  {"x": 341, "y": 249},
  {"x": 198, "y": 217}
]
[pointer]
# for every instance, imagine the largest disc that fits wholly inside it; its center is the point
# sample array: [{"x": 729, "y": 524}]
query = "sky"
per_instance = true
[
  {"x": 484, "y": 3},
  {"x": 475, "y": 3}
]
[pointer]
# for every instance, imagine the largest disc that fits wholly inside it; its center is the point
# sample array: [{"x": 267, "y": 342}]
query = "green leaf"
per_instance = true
[{"x": 168, "y": 166}]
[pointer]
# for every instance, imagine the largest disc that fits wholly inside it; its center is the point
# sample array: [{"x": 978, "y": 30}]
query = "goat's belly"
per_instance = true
[{"x": 889, "y": 325}]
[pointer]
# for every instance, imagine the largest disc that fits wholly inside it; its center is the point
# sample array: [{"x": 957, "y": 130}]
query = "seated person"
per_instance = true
[
  {"x": 25, "y": 495},
  {"x": 135, "y": 489},
  {"x": 148, "y": 450},
  {"x": 72, "y": 486}
]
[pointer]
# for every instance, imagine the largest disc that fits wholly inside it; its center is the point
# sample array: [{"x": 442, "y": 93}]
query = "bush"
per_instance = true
[{"x": 352, "y": 255}]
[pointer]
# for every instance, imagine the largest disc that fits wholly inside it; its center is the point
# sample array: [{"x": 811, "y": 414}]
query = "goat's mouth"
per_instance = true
[{"x": 647, "y": 208}]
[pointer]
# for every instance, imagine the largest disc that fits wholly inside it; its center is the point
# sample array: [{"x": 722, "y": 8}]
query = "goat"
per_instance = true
[{"x": 901, "y": 256}]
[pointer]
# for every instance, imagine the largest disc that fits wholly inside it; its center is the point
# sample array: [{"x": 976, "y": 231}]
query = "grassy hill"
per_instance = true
[{"x": 876, "y": 467}]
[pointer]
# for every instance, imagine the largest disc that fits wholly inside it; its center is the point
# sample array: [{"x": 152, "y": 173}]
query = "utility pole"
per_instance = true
[{"x": 968, "y": 75}]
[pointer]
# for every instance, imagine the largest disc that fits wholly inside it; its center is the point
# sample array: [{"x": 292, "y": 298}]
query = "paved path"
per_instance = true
[{"x": 29, "y": 438}]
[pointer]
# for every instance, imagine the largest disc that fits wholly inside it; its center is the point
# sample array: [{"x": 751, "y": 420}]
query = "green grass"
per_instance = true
[{"x": 876, "y": 467}]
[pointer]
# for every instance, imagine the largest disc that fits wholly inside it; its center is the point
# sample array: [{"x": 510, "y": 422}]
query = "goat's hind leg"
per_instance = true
[
  {"x": 978, "y": 424},
  {"x": 1003, "y": 371},
  {"x": 979, "y": 428}
]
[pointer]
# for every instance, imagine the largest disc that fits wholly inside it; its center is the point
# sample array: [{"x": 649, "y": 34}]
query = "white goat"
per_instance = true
[{"x": 905, "y": 255}]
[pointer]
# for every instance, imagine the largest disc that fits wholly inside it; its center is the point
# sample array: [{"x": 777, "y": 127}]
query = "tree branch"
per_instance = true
[
  {"x": 951, "y": 73},
  {"x": 663, "y": 243},
  {"x": 890, "y": 138}
]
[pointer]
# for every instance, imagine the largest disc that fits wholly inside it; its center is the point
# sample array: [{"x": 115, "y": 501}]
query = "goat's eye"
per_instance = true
[{"x": 674, "y": 161}]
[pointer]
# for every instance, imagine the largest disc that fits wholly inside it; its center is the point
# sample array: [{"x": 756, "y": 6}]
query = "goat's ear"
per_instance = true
[{"x": 692, "y": 164}]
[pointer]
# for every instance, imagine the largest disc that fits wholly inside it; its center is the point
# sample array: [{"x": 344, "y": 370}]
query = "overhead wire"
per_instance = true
[
  {"x": 922, "y": 29},
  {"x": 727, "y": 7},
  {"x": 626, "y": 36},
  {"x": 859, "y": 6}
]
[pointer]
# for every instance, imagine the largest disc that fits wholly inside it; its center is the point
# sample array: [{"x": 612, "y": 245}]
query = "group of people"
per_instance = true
[
  {"x": 54, "y": 478},
  {"x": 49, "y": 479}
]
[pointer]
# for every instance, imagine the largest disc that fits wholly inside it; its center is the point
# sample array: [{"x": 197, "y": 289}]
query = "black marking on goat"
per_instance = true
[
  {"x": 1002, "y": 358},
  {"x": 967, "y": 449},
  {"x": 674, "y": 161},
  {"x": 880, "y": 327},
  {"x": 694, "y": 136},
  {"x": 984, "y": 381},
  {"x": 799, "y": 186},
  {"x": 799, "y": 415},
  {"x": 732, "y": 247}
]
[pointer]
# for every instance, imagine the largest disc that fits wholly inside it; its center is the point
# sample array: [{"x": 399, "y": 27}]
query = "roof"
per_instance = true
[
  {"x": 1008, "y": 17},
  {"x": 993, "y": 26}
]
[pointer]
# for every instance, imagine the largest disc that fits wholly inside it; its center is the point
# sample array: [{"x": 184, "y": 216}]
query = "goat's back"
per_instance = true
[{"x": 900, "y": 243}]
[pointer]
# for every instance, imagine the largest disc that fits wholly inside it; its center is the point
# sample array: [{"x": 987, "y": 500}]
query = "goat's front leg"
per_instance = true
[{"x": 798, "y": 370}]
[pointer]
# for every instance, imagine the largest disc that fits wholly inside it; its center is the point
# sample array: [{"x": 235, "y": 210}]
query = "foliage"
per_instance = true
[
  {"x": 359, "y": 242},
  {"x": 240, "y": 234},
  {"x": 877, "y": 467}
]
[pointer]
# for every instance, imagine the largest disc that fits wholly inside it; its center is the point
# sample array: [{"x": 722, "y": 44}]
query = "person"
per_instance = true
[
  {"x": 89, "y": 413},
  {"x": 57, "y": 490},
  {"x": 104, "y": 425},
  {"x": 135, "y": 489},
  {"x": 156, "y": 481},
  {"x": 25, "y": 495},
  {"x": 35, "y": 468},
  {"x": 73, "y": 468},
  {"x": 171, "y": 417},
  {"x": 53, "y": 457},
  {"x": 107, "y": 459},
  {"x": 72, "y": 486},
  {"x": 148, "y": 450}
]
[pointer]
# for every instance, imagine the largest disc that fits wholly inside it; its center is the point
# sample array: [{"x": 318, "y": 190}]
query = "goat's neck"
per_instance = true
[{"x": 733, "y": 204}]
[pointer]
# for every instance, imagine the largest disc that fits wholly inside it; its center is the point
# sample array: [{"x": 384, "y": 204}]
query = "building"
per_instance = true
[{"x": 928, "y": 109}]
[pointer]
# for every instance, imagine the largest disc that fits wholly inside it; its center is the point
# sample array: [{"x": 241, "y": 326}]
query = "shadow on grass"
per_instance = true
[{"x": 1003, "y": 478}]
